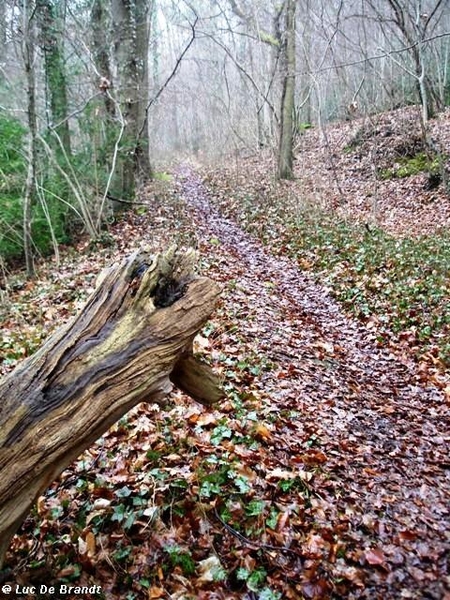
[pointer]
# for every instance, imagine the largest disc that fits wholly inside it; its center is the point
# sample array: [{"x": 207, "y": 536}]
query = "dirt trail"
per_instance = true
[{"x": 385, "y": 439}]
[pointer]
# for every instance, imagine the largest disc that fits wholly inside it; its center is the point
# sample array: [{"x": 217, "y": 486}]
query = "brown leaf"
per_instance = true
[
  {"x": 375, "y": 557},
  {"x": 90, "y": 543},
  {"x": 261, "y": 432},
  {"x": 314, "y": 457},
  {"x": 316, "y": 590}
]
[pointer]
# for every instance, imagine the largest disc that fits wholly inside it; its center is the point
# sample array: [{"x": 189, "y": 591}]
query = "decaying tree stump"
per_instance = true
[{"x": 132, "y": 340}]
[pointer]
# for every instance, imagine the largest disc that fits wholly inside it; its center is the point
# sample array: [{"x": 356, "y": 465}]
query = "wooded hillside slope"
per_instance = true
[{"x": 324, "y": 472}]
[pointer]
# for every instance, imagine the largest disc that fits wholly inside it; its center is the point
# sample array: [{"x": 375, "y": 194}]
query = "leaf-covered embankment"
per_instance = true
[
  {"x": 367, "y": 439},
  {"x": 381, "y": 245},
  {"x": 323, "y": 475}
]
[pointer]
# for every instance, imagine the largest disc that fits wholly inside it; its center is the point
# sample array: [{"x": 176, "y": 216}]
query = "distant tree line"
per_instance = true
[{"x": 95, "y": 94}]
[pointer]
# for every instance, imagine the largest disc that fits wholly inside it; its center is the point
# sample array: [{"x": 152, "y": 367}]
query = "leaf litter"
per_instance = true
[{"x": 324, "y": 474}]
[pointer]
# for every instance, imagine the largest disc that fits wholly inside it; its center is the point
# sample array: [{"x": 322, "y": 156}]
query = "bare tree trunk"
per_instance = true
[
  {"x": 28, "y": 50},
  {"x": 100, "y": 24},
  {"x": 50, "y": 17},
  {"x": 265, "y": 112},
  {"x": 107, "y": 131},
  {"x": 131, "y": 34},
  {"x": 307, "y": 39},
  {"x": 285, "y": 153},
  {"x": 414, "y": 23},
  {"x": 144, "y": 14},
  {"x": 3, "y": 26},
  {"x": 130, "y": 343}
]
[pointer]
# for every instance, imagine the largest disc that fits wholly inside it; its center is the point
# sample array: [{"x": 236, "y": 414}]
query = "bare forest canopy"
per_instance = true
[{"x": 95, "y": 92}]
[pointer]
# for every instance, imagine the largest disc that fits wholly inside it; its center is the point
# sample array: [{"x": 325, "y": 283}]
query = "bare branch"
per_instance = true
[
  {"x": 386, "y": 54},
  {"x": 244, "y": 72},
  {"x": 171, "y": 76}
]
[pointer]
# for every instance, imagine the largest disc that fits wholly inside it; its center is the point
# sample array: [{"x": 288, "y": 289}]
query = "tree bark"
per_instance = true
[
  {"x": 3, "y": 27},
  {"x": 285, "y": 152},
  {"x": 414, "y": 23},
  {"x": 100, "y": 25},
  {"x": 144, "y": 14},
  {"x": 130, "y": 342},
  {"x": 131, "y": 33},
  {"x": 49, "y": 14},
  {"x": 28, "y": 52}
]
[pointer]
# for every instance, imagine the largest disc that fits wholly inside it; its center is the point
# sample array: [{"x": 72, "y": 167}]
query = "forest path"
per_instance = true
[{"x": 381, "y": 439}]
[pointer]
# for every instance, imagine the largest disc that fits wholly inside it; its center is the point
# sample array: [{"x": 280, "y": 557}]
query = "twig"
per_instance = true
[
  {"x": 246, "y": 74},
  {"x": 385, "y": 54},
  {"x": 255, "y": 545},
  {"x": 123, "y": 201},
  {"x": 171, "y": 76}
]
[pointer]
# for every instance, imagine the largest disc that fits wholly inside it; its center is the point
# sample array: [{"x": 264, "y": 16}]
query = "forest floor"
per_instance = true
[{"x": 325, "y": 473}]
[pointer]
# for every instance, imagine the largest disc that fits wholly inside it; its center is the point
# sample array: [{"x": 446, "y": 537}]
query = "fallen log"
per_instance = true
[{"x": 131, "y": 342}]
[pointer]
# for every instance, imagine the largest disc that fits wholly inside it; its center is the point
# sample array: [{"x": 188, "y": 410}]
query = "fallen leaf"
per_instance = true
[{"x": 375, "y": 557}]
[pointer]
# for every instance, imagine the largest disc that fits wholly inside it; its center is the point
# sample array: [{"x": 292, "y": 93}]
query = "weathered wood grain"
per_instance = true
[{"x": 134, "y": 332}]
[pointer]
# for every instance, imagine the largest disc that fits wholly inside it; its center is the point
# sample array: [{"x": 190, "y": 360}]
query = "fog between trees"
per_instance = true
[{"x": 95, "y": 94}]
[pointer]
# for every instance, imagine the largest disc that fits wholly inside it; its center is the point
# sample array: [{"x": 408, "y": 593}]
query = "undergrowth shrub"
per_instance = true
[
  {"x": 401, "y": 284},
  {"x": 12, "y": 179},
  {"x": 50, "y": 212}
]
